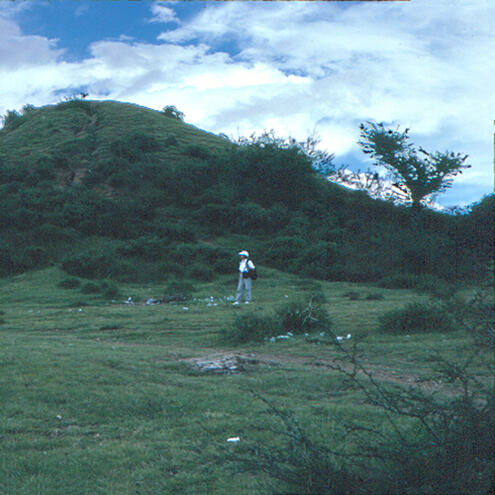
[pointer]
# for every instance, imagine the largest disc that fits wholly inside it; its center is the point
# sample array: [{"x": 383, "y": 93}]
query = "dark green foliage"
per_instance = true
[
  {"x": 299, "y": 317},
  {"x": 201, "y": 272},
  {"x": 198, "y": 152},
  {"x": 70, "y": 283},
  {"x": 178, "y": 291},
  {"x": 94, "y": 263},
  {"x": 417, "y": 318},
  {"x": 251, "y": 328},
  {"x": 400, "y": 281},
  {"x": 90, "y": 288},
  {"x": 375, "y": 296},
  {"x": 124, "y": 174},
  {"x": 110, "y": 290}
]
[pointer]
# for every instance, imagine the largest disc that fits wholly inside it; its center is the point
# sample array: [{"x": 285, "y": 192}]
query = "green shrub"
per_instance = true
[
  {"x": 417, "y": 318},
  {"x": 110, "y": 290},
  {"x": 201, "y": 272},
  {"x": 198, "y": 151},
  {"x": 70, "y": 283},
  {"x": 178, "y": 291},
  {"x": 170, "y": 140},
  {"x": 375, "y": 296},
  {"x": 399, "y": 281},
  {"x": 251, "y": 328},
  {"x": 353, "y": 295},
  {"x": 90, "y": 288},
  {"x": 299, "y": 317},
  {"x": 89, "y": 264}
]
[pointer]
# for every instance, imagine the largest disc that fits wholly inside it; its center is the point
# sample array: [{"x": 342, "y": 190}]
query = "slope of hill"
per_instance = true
[{"x": 108, "y": 189}]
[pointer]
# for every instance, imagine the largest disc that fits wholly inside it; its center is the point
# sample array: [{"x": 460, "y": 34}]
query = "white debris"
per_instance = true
[
  {"x": 59, "y": 417},
  {"x": 129, "y": 301},
  {"x": 152, "y": 301},
  {"x": 233, "y": 439},
  {"x": 185, "y": 309}
]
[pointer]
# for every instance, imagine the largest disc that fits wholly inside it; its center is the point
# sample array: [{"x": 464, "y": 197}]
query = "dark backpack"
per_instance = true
[{"x": 252, "y": 274}]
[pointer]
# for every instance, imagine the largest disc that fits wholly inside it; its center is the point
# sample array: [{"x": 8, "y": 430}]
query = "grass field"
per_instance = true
[{"x": 102, "y": 397}]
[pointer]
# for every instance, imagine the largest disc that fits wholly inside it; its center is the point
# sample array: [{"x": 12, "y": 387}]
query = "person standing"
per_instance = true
[{"x": 246, "y": 268}]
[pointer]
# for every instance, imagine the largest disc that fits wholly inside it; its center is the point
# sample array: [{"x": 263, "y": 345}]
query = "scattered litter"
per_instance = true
[
  {"x": 80, "y": 310},
  {"x": 340, "y": 338},
  {"x": 322, "y": 334},
  {"x": 59, "y": 417},
  {"x": 233, "y": 439},
  {"x": 152, "y": 301},
  {"x": 230, "y": 298},
  {"x": 281, "y": 337},
  {"x": 185, "y": 309},
  {"x": 129, "y": 301}
]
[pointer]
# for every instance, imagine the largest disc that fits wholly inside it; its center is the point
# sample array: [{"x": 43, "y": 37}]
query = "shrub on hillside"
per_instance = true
[
  {"x": 70, "y": 283},
  {"x": 299, "y": 317},
  {"x": 178, "y": 291},
  {"x": 90, "y": 288},
  {"x": 201, "y": 272},
  {"x": 417, "y": 317},
  {"x": 95, "y": 263},
  {"x": 198, "y": 151},
  {"x": 399, "y": 281},
  {"x": 251, "y": 328}
]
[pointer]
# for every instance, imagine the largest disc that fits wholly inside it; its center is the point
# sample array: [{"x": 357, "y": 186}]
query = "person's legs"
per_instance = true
[
  {"x": 247, "y": 289},
  {"x": 239, "y": 289}
]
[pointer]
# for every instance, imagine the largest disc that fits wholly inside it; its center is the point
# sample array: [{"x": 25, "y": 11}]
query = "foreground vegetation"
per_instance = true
[{"x": 100, "y": 396}]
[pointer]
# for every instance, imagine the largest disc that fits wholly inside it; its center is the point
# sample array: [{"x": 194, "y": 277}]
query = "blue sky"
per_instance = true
[{"x": 295, "y": 67}]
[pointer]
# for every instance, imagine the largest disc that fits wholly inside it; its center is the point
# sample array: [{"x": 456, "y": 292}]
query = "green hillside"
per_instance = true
[{"x": 114, "y": 190}]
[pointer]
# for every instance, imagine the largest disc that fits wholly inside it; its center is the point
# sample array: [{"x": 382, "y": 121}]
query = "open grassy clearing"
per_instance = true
[{"x": 100, "y": 397}]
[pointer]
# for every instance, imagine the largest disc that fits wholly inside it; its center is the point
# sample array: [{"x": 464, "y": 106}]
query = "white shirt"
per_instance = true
[{"x": 244, "y": 265}]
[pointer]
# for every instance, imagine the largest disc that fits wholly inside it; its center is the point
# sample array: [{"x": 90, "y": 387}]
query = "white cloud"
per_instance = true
[
  {"x": 291, "y": 66},
  {"x": 163, "y": 14}
]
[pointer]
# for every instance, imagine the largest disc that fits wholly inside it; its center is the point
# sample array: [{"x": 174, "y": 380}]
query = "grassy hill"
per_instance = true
[{"x": 107, "y": 189}]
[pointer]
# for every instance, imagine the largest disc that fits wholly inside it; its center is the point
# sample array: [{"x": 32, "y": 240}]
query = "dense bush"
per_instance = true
[
  {"x": 93, "y": 263},
  {"x": 251, "y": 328},
  {"x": 70, "y": 283},
  {"x": 201, "y": 272},
  {"x": 299, "y": 317},
  {"x": 417, "y": 318}
]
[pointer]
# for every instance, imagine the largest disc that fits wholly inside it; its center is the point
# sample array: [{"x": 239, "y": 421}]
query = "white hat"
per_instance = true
[{"x": 244, "y": 253}]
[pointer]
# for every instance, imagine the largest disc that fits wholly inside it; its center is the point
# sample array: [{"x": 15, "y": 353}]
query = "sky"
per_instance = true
[{"x": 299, "y": 68}]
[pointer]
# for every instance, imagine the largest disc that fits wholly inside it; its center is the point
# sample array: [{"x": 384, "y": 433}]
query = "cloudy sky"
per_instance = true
[{"x": 295, "y": 67}]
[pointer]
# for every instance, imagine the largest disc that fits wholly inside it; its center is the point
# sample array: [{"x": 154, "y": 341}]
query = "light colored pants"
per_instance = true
[{"x": 243, "y": 287}]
